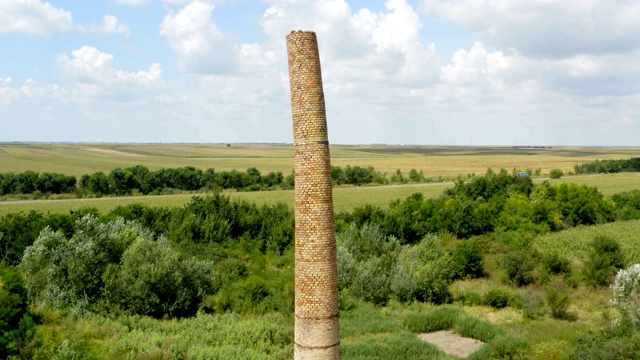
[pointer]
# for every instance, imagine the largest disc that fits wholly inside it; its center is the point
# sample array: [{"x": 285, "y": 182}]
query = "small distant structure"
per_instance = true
[
  {"x": 228, "y": 145},
  {"x": 523, "y": 174}
]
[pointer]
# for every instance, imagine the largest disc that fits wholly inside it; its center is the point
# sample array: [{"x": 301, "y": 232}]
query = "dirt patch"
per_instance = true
[{"x": 452, "y": 343}]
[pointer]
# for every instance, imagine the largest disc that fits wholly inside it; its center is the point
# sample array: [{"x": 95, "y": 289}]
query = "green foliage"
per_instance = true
[
  {"x": 424, "y": 272},
  {"x": 477, "y": 329},
  {"x": 628, "y": 204},
  {"x": 609, "y": 166},
  {"x": 152, "y": 280},
  {"x": 367, "y": 260},
  {"x": 612, "y": 343},
  {"x": 556, "y": 264},
  {"x": 497, "y": 298},
  {"x": 118, "y": 262},
  {"x": 467, "y": 260},
  {"x": 558, "y": 301},
  {"x": 13, "y": 311},
  {"x": 556, "y": 174},
  {"x": 604, "y": 260},
  {"x": 519, "y": 265}
]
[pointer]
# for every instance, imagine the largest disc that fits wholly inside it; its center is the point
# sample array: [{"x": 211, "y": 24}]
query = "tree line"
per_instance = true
[
  {"x": 140, "y": 180},
  {"x": 608, "y": 166}
]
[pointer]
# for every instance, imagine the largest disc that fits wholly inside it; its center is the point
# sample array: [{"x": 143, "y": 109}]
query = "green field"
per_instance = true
[{"x": 434, "y": 161}]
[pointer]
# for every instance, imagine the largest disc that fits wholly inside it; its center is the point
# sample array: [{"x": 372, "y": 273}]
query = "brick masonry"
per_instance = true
[{"x": 317, "y": 331}]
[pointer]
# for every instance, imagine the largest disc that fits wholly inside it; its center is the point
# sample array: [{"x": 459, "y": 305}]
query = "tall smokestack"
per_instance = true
[{"x": 317, "y": 325}]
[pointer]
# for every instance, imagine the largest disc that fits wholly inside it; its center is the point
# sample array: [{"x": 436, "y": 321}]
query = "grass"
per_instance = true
[{"x": 344, "y": 199}]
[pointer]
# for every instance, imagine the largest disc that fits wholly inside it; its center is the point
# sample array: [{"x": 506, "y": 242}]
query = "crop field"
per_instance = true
[
  {"x": 434, "y": 161},
  {"x": 344, "y": 199},
  {"x": 574, "y": 243}
]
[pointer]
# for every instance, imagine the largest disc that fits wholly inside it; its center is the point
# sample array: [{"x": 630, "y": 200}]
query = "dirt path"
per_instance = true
[{"x": 452, "y": 343}]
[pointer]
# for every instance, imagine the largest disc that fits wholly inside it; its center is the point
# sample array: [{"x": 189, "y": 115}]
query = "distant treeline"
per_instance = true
[
  {"x": 609, "y": 166},
  {"x": 140, "y": 180},
  {"x": 29, "y": 182}
]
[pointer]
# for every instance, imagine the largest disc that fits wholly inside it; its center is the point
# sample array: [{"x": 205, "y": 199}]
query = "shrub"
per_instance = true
[
  {"x": 13, "y": 310},
  {"x": 556, "y": 174},
  {"x": 605, "y": 258},
  {"x": 626, "y": 293},
  {"x": 556, "y": 264},
  {"x": 519, "y": 265},
  {"x": 532, "y": 305},
  {"x": 497, "y": 298},
  {"x": 467, "y": 259},
  {"x": 152, "y": 280},
  {"x": 558, "y": 301},
  {"x": 424, "y": 272}
]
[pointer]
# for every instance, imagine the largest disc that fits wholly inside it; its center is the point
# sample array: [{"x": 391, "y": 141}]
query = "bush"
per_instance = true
[
  {"x": 152, "y": 280},
  {"x": 558, "y": 301},
  {"x": 604, "y": 260},
  {"x": 556, "y": 264},
  {"x": 497, "y": 298},
  {"x": 556, "y": 174},
  {"x": 519, "y": 265},
  {"x": 424, "y": 272},
  {"x": 467, "y": 260},
  {"x": 13, "y": 310},
  {"x": 626, "y": 294}
]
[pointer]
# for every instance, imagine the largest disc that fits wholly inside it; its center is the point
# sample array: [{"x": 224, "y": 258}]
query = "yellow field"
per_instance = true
[{"x": 434, "y": 161}]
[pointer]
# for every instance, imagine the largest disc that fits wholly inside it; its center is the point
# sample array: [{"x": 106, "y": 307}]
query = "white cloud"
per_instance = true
[
  {"x": 37, "y": 18},
  {"x": 200, "y": 45},
  {"x": 548, "y": 28},
  {"x": 94, "y": 74}
]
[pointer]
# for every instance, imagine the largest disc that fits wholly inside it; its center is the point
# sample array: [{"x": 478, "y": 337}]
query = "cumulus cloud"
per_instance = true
[
  {"x": 198, "y": 42},
  {"x": 543, "y": 28},
  {"x": 95, "y": 75},
  {"x": 37, "y": 18}
]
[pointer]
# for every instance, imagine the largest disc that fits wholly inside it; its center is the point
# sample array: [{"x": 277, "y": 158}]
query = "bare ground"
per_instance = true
[{"x": 452, "y": 343}]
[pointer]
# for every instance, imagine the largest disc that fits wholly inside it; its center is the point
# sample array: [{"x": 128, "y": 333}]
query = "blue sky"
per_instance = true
[{"x": 433, "y": 72}]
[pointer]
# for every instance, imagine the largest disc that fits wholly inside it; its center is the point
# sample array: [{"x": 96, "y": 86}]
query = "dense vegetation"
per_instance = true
[
  {"x": 226, "y": 267},
  {"x": 609, "y": 166},
  {"x": 140, "y": 180}
]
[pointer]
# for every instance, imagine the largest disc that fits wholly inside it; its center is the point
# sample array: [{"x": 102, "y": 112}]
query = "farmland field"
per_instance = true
[
  {"x": 448, "y": 162},
  {"x": 434, "y": 161}
]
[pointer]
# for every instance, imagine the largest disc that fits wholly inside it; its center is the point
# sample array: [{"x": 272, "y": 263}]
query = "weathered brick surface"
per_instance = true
[{"x": 317, "y": 334}]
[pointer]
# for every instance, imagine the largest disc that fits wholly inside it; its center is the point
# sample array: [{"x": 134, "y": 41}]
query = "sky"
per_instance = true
[{"x": 428, "y": 72}]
